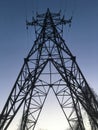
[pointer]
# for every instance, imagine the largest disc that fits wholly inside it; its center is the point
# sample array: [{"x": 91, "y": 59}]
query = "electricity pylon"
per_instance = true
[{"x": 51, "y": 65}]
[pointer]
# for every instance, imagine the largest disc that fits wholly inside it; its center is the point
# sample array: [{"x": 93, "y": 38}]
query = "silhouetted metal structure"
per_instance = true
[{"x": 51, "y": 65}]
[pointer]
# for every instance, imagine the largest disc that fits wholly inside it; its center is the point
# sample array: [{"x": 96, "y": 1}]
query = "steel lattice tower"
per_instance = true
[{"x": 50, "y": 65}]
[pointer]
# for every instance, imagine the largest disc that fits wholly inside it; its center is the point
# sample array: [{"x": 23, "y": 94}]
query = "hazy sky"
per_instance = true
[{"x": 15, "y": 40}]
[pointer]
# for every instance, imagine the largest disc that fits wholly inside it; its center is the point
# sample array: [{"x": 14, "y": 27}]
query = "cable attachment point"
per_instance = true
[{"x": 63, "y": 21}]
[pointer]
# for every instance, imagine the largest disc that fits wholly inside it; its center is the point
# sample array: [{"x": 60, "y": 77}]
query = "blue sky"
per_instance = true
[{"x": 15, "y": 40}]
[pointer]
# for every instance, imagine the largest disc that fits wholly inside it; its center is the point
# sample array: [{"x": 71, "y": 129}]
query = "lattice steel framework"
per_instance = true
[{"x": 51, "y": 65}]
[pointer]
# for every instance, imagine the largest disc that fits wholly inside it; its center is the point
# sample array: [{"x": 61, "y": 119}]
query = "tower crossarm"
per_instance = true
[
  {"x": 63, "y": 21},
  {"x": 34, "y": 22}
]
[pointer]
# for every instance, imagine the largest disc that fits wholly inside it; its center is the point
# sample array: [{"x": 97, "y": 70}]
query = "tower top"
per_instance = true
[
  {"x": 56, "y": 17},
  {"x": 49, "y": 18}
]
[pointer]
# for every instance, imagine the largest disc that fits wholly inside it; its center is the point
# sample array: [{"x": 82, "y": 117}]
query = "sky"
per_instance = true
[{"x": 16, "y": 40}]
